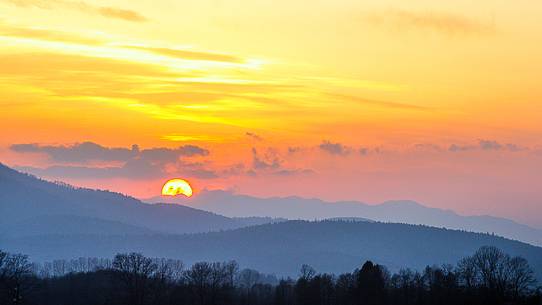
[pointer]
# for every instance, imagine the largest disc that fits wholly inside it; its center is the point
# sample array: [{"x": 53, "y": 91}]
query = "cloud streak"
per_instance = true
[
  {"x": 334, "y": 148},
  {"x": 89, "y": 151},
  {"x": 487, "y": 145},
  {"x": 191, "y": 55},
  {"x": 440, "y": 22},
  {"x": 376, "y": 102},
  {"x": 253, "y": 136},
  {"x": 136, "y": 163},
  {"x": 105, "y": 11},
  {"x": 45, "y": 34}
]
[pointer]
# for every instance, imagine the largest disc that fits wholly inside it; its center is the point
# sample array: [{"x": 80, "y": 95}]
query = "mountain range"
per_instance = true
[
  {"x": 52, "y": 221},
  {"x": 30, "y": 205},
  {"x": 403, "y": 211}
]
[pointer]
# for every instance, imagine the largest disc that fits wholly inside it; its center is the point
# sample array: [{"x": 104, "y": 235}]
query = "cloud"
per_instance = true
[
  {"x": 137, "y": 169},
  {"x": 234, "y": 170},
  {"x": 377, "y": 102},
  {"x": 269, "y": 160},
  {"x": 514, "y": 147},
  {"x": 200, "y": 173},
  {"x": 294, "y": 149},
  {"x": 292, "y": 172},
  {"x": 80, "y": 152},
  {"x": 489, "y": 145},
  {"x": 89, "y": 151},
  {"x": 45, "y": 34},
  {"x": 128, "y": 15},
  {"x": 427, "y": 147},
  {"x": 192, "y": 55},
  {"x": 271, "y": 163},
  {"x": 253, "y": 136},
  {"x": 457, "y": 147},
  {"x": 133, "y": 169},
  {"x": 136, "y": 163},
  {"x": 440, "y": 22},
  {"x": 106, "y": 11},
  {"x": 334, "y": 148}
]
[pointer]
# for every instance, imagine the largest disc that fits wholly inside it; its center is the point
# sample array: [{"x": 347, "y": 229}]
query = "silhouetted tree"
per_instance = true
[
  {"x": 520, "y": 276},
  {"x": 15, "y": 276},
  {"x": 371, "y": 284},
  {"x": 134, "y": 270},
  {"x": 210, "y": 282},
  {"x": 489, "y": 276},
  {"x": 284, "y": 293},
  {"x": 345, "y": 289}
]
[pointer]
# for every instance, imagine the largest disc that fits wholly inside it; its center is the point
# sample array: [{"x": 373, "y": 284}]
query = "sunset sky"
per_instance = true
[{"x": 434, "y": 101}]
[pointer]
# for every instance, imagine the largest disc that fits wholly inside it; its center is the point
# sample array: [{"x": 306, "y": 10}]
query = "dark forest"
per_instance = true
[{"x": 489, "y": 276}]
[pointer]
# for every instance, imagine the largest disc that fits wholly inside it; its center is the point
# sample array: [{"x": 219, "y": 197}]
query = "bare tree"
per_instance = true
[
  {"x": 490, "y": 263},
  {"x": 307, "y": 272},
  {"x": 198, "y": 277},
  {"x": 15, "y": 270},
  {"x": 134, "y": 270},
  {"x": 168, "y": 270},
  {"x": 3, "y": 260},
  {"x": 496, "y": 271},
  {"x": 248, "y": 278},
  {"x": 467, "y": 272},
  {"x": 520, "y": 276},
  {"x": 209, "y": 281},
  {"x": 231, "y": 268}
]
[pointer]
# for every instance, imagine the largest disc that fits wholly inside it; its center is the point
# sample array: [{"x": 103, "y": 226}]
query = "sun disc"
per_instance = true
[{"x": 174, "y": 187}]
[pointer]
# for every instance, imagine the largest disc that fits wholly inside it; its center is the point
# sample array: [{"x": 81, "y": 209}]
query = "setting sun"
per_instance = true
[{"x": 176, "y": 187}]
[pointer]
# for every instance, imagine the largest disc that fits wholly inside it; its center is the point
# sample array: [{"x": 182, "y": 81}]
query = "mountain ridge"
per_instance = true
[
  {"x": 24, "y": 197},
  {"x": 394, "y": 211},
  {"x": 281, "y": 248},
  {"x": 50, "y": 212}
]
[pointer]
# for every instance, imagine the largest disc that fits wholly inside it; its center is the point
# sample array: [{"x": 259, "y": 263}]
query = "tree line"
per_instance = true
[{"x": 489, "y": 276}]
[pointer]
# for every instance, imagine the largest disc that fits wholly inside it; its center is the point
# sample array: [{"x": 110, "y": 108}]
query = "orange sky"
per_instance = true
[{"x": 374, "y": 100}]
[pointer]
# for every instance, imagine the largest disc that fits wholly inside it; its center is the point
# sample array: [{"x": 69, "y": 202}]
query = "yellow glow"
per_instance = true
[
  {"x": 411, "y": 83},
  {"x": 176, "y": 187}
]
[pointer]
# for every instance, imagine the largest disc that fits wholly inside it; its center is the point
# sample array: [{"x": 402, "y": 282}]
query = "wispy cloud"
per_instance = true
[
  {"x": 45, "y": 34},
  {"x": 191, "y": 55},
  {"x": 441, "y": 22},
  {"x": 334, "y": 148},
  {"x": 113, "y": 12},
  {"x": 105, "y": 11},
  {"x": 270, "y": 162},
  {"x": 89, "y": 151},
  {"x": 74, "y": 161},
  {"x": 253, "y": 136},
  {"x": 487, "y": 145},
  {"x": 387, "y": 104}
]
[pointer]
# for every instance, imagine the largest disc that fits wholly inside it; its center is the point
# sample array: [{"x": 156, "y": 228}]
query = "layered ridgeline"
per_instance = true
[
  {"x": 51, "y": 221},
  {"x": 281, "y": 248},
  {"x": 410, "y": 212},
  {"x": 29, "y": 205}
]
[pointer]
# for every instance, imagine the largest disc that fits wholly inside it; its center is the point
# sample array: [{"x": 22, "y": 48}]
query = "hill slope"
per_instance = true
[
  {"x": 281, "y": 248},
  {"x": 27, "y": 199},
  {"x": 410, "y": 212},
  {"x": 68, "y": 225}
]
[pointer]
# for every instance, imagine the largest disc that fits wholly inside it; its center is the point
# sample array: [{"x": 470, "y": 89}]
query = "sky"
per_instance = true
[{"x": 433, "y": 101}]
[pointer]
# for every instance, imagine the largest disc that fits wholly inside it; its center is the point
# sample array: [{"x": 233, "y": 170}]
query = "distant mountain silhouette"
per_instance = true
[
  {"x": 281, "y": 248},
  {"x": 29, "y": 203},
  {"x": 68, "y": 225},
  {"x": 52, "y": 220},
  {"x": 232, "y": 205}
]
